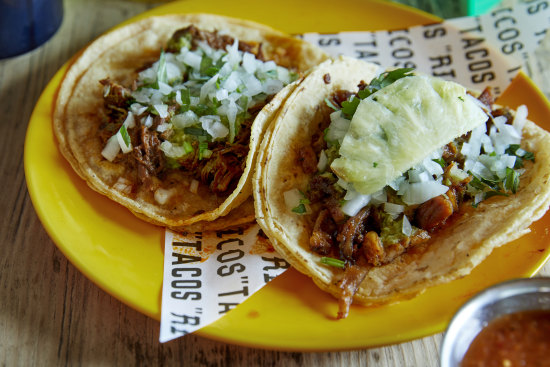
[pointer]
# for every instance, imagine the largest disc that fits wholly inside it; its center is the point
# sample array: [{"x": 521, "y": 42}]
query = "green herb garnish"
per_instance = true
[
  {"x": 440, "y": 161},
  {"x": 125, "y": 136},
  {"x": 196, "y": 131},
  {"x": 333, "y": 262},
  {"x": 511, "y": 181},
  {"x": 331, "y": 105},
  {"x": 161, "y": 71},
  {"x": 383, "y": 80},
  {"x": 203, "y": 150},
  {"x": 300, "y": 209},
  {"x": 513, "y": 150},
  {"x": 187, "y": 147}
]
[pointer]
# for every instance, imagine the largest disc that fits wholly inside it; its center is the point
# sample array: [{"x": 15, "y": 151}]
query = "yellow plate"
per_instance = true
[{"x": 124, "y": 256}]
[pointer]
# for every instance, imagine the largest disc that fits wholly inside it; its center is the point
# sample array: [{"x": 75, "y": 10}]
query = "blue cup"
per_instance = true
[{"x": 27, "y": 24}]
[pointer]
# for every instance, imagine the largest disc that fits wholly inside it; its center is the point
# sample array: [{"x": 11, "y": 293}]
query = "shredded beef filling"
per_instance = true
[
  {"x": 215, "y": 40},
  {"x": 221, "y": 171}
]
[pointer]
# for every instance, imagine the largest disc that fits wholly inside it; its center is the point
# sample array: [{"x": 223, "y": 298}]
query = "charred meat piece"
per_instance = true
[
  {"x": 486, "y": 97},
  {"x": 115, "y": 100},
  {"x": 353, "y": 277},
  {"x": 351, "y": 232},
  {"x": 373, "y": 249},
  {"x": 340, "y": 96},
  {"x": 224, "y": 168},
  {"x": 148, "y": 156},
  {"x": 322, "y": 237},
  {"x": 192, "y": 36},
  {"x": 378, "y": 253},
  {"x": 307, "y": 159},
  {"x": 434, "y": 212},
  {"x": 450, "y": 152}
]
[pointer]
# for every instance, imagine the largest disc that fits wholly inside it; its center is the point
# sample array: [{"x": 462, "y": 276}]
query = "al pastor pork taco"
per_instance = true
[
  {"x": 164, "y": 115},
  {"x": 378, "y": 187}
]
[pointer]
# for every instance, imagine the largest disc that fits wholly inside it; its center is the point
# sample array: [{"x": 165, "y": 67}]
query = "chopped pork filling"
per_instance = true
[{"x": 371, "y": 238}]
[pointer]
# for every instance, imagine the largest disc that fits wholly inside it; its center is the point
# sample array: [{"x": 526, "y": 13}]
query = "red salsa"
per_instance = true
[{"x": 517, "y": 339}]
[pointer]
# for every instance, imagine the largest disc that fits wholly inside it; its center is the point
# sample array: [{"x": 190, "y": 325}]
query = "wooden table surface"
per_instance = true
[{"x": 50, "y": 314}]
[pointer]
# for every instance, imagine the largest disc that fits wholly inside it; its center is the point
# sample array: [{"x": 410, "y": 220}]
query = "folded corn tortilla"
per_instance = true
[
  {"x": 119, "y": 55},
  {"x": 451, "y": 253}
]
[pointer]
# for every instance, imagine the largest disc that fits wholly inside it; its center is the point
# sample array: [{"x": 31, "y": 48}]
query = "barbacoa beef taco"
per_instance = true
[
  {"x": 164, "y": 115},
  {"x": 378, "y": 187}
]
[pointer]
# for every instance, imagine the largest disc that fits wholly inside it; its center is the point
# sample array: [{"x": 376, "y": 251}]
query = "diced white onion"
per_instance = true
[
  {"x": 249, "y": 62},
  {"x": 182, "y": 120},
  {"x": 353, "y": 206},
  {"x": 111, "y": 149},
  {"x": 393, "y": 209},
  {"x": 171, "y": 150},
  {"x": 233, "y": 54},
  {"x": 379, "y": 197},
  {"x": 414, "y": 175},
  {"x": 178, "y": 97},
  {"x": 253, "y": 85},
  {"x": 406, "y": 229},
  {"x": 125, "y": 148},
  {"x": 338, "y": 127},
  {"x": 323, "y": 160},
  {"x": 272, "y": 86},
  {"x": 432, "y": 168},
  {"x": 148, "y": 121},
  {"x": 232, "y": 82},
  {"x": 173, "y": 72},
  {"x": 164, "y": 88},
  {"x": 137, "y": 109},
  {"x": 213, "y": 126},
  {"x": 163, "y": 195},
  {"x": 269, "y": 65},
  {"x": 292, "y": 198},
  {"x": 520, "y": 118},
  {"x": 129, "y": 121},
  {"x": 419, "y": 192},
  {"x": 162, "y": 110},
  {"x": 192, "y": 60},
  {"x": 397, "y": 182},
  {"x": 222, "y": 94},
  {"x": 123, "y": 185},
  {"x": 209, "y": 87},
  {"x": 194, "y": 186},
  {"x": 458, "y": 173},
  {"x": 163, "y": 127}
]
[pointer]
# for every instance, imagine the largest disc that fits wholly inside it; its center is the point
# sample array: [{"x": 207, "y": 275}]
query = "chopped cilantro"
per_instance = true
[
  {"x": 203, "y": 150},
  {"x": 513, "y": 150},
  {"x": 196, "y": 131},
  {"x": 383, "y": 80},
  {"x": 440, "y": 161},
  {"x": 300, "y": 209},
  {"x": 187, "y": 147},
  {"x": 333, "y": 262},
  {"x": 331, "y": 105},
  {"x": 511, "y": 181},
  {"x": 125, "y": 136}
]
